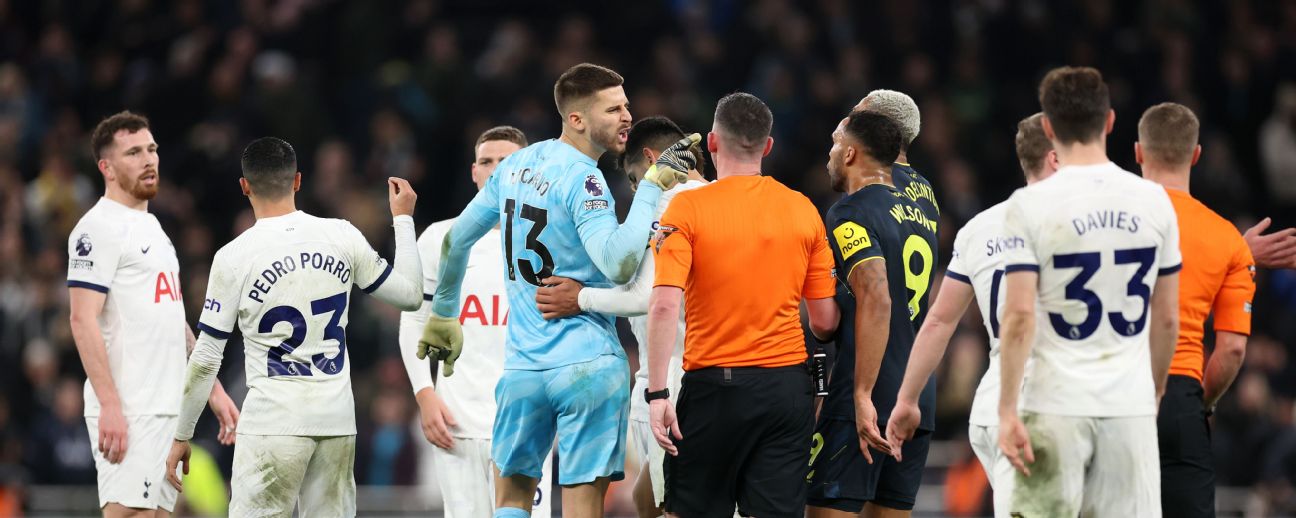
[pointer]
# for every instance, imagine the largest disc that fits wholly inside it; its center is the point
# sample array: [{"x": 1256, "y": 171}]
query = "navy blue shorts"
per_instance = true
[{"x": 841, "y": 479}]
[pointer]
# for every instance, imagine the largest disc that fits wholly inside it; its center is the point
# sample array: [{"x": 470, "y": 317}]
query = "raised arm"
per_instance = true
[
  {"x": 404, "y": 289},
  {"x": 617, "y": 249}
]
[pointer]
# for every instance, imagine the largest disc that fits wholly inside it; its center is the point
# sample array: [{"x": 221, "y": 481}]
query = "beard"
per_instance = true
[
  {"x": 608, "y": 138},
  {"x": 137, "y": 188},
  {"x": 835, "y": 178}
]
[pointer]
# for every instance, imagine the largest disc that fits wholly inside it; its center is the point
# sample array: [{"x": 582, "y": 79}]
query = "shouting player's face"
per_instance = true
[
  {"x": 607, "y": 119},
  {"x": 489, "y": 155},
  {"x": 836, "y": 159},
  {"x": 132, "y": 162}
]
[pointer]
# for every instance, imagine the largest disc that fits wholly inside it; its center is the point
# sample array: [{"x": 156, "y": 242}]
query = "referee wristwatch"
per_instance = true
[{"x": 649, "y": 396}]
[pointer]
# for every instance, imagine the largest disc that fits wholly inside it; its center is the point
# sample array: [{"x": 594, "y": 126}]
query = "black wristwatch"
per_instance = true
[{"x": 660, "y": 394}]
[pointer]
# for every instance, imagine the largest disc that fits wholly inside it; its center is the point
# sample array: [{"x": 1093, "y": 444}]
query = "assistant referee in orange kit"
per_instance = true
[{"x": 741, "y": 254}]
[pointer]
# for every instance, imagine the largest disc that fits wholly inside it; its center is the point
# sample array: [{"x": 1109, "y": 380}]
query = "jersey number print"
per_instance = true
[
  {"x": 540, "y": 218},
  {"x": 1088, "y": 263},
  {"x": 277, "y": 366}
]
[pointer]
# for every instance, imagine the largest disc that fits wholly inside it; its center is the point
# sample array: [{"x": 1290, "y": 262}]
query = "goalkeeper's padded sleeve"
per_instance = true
[
  {"x": 404, "y": 289},
  {"x": 200, "y": 376}
]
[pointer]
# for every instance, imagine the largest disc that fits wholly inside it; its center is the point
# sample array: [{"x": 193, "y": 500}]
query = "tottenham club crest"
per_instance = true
[
  {"x": 83, "y": 246},
  {"x": 592, "y": 186}
]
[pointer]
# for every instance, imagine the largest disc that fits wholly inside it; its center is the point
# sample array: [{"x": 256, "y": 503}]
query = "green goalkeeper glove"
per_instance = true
[
  {"x": 442, "y": 340},
  {"x": 675, "y": 162}
]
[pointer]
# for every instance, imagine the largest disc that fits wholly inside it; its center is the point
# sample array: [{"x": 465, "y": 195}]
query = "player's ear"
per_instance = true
[
  {"x": 1111, "y": 122},
  {"x": 1048, "y": 128},
  {"x": 106, "y": 170},
  {"x": 712, "y": 140},
  {"x": 1138, "y": 153},
  {"x": 769, "y": 145},
  {"x": 650, "y": 155},
  {"x": 297, "y": 182},
  {"x": 576, "y": 119},
  {"x": 247, "y": 189},
  {"x": 1196, "y": 154}
]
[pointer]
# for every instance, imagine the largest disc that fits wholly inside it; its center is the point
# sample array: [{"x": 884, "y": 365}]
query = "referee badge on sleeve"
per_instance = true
[{"x": 663, "y": 232}]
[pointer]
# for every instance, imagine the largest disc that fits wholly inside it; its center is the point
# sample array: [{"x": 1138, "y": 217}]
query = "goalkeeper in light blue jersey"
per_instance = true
[{"x": 569, "y": 377}]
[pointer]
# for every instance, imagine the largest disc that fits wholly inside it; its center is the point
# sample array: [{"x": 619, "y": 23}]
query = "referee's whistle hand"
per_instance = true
[
  {"x": 558, "y": 297},
  {"x": 664, "y": 425}
]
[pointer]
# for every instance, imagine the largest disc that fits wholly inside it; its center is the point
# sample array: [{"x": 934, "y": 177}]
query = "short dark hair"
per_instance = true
[
  {"x": 270, "y": 164},
  {"x": 878, "y": 133},
  {"x": 746, "y": 120},
  {"x": 582, "y": 81},
  {"x": 107, "y": 129},
  {"x": 655, "y": 133},
  {"x": 1032, "y": 145},
  {"x": 1076, "y": 102},
  {"x": 1168, "y": 132},
  {"x": 505, "y": 133}
]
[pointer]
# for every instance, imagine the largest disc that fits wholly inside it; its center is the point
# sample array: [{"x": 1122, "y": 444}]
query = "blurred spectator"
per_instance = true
[
  {"x": 58, "y": 447},
  {"x": 1278, "y": 146},
  {"x": 387, "y": 454}
]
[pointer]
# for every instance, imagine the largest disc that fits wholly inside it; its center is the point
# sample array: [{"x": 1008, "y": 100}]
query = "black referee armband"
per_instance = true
[{"x": 660, "y": 394}]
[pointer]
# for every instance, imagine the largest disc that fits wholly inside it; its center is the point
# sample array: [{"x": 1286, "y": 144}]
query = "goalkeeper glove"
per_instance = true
[
  {"x": 442, "y": 340},
  {"x": 675, "y": 162}
]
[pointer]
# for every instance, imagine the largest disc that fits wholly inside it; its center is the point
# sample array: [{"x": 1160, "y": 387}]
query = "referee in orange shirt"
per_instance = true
[
  {"x": 741, "y": 254},
  {"x": 1217, "y": 278}
]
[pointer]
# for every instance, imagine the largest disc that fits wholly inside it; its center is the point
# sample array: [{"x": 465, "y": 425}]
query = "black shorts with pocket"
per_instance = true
[{"x": 746, "y": 433}]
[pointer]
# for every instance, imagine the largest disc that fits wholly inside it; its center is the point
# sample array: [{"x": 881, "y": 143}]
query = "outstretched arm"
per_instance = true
[{"x": 626, "y": 300}]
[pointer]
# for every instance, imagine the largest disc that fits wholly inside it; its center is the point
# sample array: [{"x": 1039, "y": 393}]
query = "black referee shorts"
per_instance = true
[
  {"x": 1187, "y": 467},
  {"x": 746, "y": 442}
]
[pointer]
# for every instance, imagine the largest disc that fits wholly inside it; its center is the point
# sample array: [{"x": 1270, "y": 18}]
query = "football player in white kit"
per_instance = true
[
  {"x": 456, "y": 413},
  {"x": 286, "y": 284},
  {"x": 1100, "y": 247},
  {"x": 560, "y": 297},
  {"x": 975, "y": 272},
  {"x": 128, "y": 322}
]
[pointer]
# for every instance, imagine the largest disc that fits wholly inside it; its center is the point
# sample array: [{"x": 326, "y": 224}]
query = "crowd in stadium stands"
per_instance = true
[{"x": 369, "y": 89}]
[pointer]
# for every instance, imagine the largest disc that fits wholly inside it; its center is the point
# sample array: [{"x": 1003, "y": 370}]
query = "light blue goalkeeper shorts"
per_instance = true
[{"x": 585, "y": 404}]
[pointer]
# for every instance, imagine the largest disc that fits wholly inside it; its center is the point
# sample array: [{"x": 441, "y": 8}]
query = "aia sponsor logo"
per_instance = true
[
  {"x": 474, "y": 312},
  {"x": 166, "y": 287}
]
